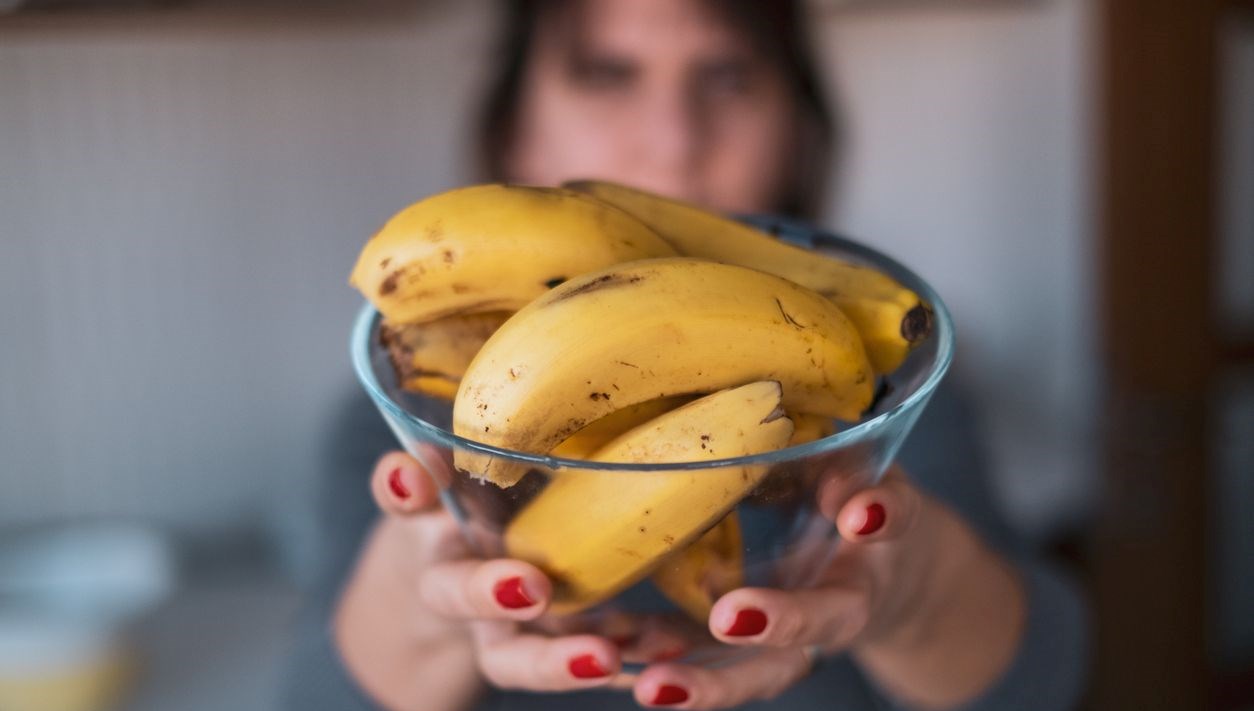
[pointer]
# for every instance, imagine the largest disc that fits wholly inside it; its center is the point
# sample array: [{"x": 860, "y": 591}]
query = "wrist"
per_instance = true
[
  {"x": 959, "y": 624},
  {"x": 399, "y": 654}
]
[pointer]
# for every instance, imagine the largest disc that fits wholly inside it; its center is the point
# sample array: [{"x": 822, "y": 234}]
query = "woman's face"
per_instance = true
[{"x": 659, "y": 94}]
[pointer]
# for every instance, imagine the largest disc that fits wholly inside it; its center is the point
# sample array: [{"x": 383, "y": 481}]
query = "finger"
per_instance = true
[
  {"x": 656, "y": 644},
  {"x": 401, "y": 486},
  {"x": 829, "y": 617},
  {"x": 763, "y": 676},
  {"x": 881, "y": 513},
  {"x": 501, "y": 589},
  {"x": 535, "y": 663}
]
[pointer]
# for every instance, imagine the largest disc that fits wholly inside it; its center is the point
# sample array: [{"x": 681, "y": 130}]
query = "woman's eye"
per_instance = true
[
  {"x": 726, "y": 79},
  {"x": 601, "y": 74}
]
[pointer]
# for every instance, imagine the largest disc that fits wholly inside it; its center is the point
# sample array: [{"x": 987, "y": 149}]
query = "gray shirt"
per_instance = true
[{"x": 943, "y": 457}]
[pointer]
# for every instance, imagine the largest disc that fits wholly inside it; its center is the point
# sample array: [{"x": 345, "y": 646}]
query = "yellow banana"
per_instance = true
[
  {"x": 889, "y": 316},
  {"x": 597, "y": 532},
  {"x": 713, "y": 565},
  {"x": 431, "y": 357},
  {"x": 493, "y": 248},
  {"x": 649, "y": 329},
  {"x": 808, "y": 428},
  {"x": 583, "y": 443}
]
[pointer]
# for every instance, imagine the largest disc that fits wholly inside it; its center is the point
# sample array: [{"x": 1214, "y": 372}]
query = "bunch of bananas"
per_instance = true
[{"x": 602, "y": 323}]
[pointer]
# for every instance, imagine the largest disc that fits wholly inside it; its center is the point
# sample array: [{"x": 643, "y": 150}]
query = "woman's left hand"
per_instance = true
[{"x": 922, "y": 605}]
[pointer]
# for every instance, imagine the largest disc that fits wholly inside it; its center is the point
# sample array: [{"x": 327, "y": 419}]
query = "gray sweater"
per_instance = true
[{"x": 943, "y": 457}]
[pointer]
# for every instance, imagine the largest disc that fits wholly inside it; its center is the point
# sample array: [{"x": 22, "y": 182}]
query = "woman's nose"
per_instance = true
[{"x": 670, "y": 144}]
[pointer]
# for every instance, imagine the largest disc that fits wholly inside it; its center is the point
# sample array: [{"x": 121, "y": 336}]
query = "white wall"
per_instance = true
[
  {"x": 179, "y": 206},
  {"x": 969, "y": 160}
]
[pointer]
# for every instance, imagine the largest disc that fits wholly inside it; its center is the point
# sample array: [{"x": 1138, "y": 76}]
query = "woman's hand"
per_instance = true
[
  {"x": 421, "y": 624},
  {"x": 928, "y": 612}
]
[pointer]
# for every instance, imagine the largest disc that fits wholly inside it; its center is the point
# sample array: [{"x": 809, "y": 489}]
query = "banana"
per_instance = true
[
  {"x": 431, "y": 357},
  {"x": 890, "y": 317},
  {"x": 713, "y": 565},
  {"x": 649, "y": 329},
  {"x": 492, "y": 248},
  {"x": 808, "y": 428},
  {"x": 596, "y": 532},
  {"x": 583, "y": 443}
]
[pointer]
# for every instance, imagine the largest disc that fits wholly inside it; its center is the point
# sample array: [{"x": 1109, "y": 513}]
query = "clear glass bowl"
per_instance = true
[{"x": 784, "y": 536}]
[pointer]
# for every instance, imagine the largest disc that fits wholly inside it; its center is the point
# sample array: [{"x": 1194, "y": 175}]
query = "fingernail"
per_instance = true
[
  {"x": 874, "y": 520},
  {"x": 586, "y": 666},
  {"x": 624, "y": 640},
  {"x": 668, "y": 695},
  {"x": 510, "y": 593},
  {"x": 748, "y": 622},
  {"x": 396, "y": 485}
]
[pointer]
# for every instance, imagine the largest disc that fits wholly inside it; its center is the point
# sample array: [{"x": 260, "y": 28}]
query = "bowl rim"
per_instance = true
[{"x": 798, "y": 233}]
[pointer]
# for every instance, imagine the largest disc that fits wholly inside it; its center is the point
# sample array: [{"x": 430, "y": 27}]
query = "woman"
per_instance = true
[{"x": 927, "y": 605}]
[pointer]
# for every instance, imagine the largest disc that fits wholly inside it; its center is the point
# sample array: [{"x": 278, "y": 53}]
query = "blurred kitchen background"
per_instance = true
[{"x": 184, "y": 185}]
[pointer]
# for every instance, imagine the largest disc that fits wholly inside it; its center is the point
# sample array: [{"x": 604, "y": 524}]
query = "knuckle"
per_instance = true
[
  {"x": 552, "y": 670},
  {"x": 788, "y": 627}
]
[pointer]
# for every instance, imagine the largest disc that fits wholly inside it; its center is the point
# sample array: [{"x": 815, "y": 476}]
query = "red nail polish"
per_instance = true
[
  {"x": 396, "y": 485},
  {"x": 586, "y": 666},
  {"x": 623, "y": 640},
  {"x": 668, "y": 695},
  {"x": 748, "y": 622},
  {"x": 510, "y": 594},
  {"x": 874, "y": 520}
]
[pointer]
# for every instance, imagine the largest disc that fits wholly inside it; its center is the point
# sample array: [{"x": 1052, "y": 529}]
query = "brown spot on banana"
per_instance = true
[
  {"x": 787, "y": 318},
  {"x": 391, "y": 282},
  {"x": 605, "y": 281},
  {"x": 476, "y": 307},
  {"x": 917, "y": 324}
]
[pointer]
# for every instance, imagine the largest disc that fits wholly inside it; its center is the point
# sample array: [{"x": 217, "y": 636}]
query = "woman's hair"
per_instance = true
[{"x": 775, "y": 29}]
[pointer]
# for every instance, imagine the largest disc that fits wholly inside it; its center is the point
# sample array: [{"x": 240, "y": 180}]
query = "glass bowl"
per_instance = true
[{"x": 782, "y": 532}]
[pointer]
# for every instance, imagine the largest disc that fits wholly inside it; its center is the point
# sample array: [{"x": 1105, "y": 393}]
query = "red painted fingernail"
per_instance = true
[
  {"x": 624, "y": 640},
  {"x": 586, "y": 666},
  {"x": 668, "y": 695},
  {"x": 748, "y": 622},
  {"x": 510, "y": 593},
  {"x": 874, "y": 520},
  {"x": 396, "y": 485}
]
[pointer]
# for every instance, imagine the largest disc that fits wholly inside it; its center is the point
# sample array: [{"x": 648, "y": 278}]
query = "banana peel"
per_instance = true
[
  {"x": 891, "y": 318},
  {"x": 596, "y": 532},
  {"x": 713, "y": 565}
]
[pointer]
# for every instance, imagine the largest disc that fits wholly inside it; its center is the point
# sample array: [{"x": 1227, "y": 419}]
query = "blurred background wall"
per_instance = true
[{"x": 182, "y": 198}]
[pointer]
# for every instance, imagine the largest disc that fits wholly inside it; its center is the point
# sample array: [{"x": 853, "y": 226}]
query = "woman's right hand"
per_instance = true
[{"x": 421, "y": 624}]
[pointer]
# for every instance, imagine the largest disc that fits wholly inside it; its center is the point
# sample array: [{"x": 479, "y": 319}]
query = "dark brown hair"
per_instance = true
[{"x": 775, "y": 28}]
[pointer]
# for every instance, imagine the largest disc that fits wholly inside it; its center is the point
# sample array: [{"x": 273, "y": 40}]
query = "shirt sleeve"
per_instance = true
[
  {"x": 1049, "y": 669},
  {"x": 353, "y": 440}
]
